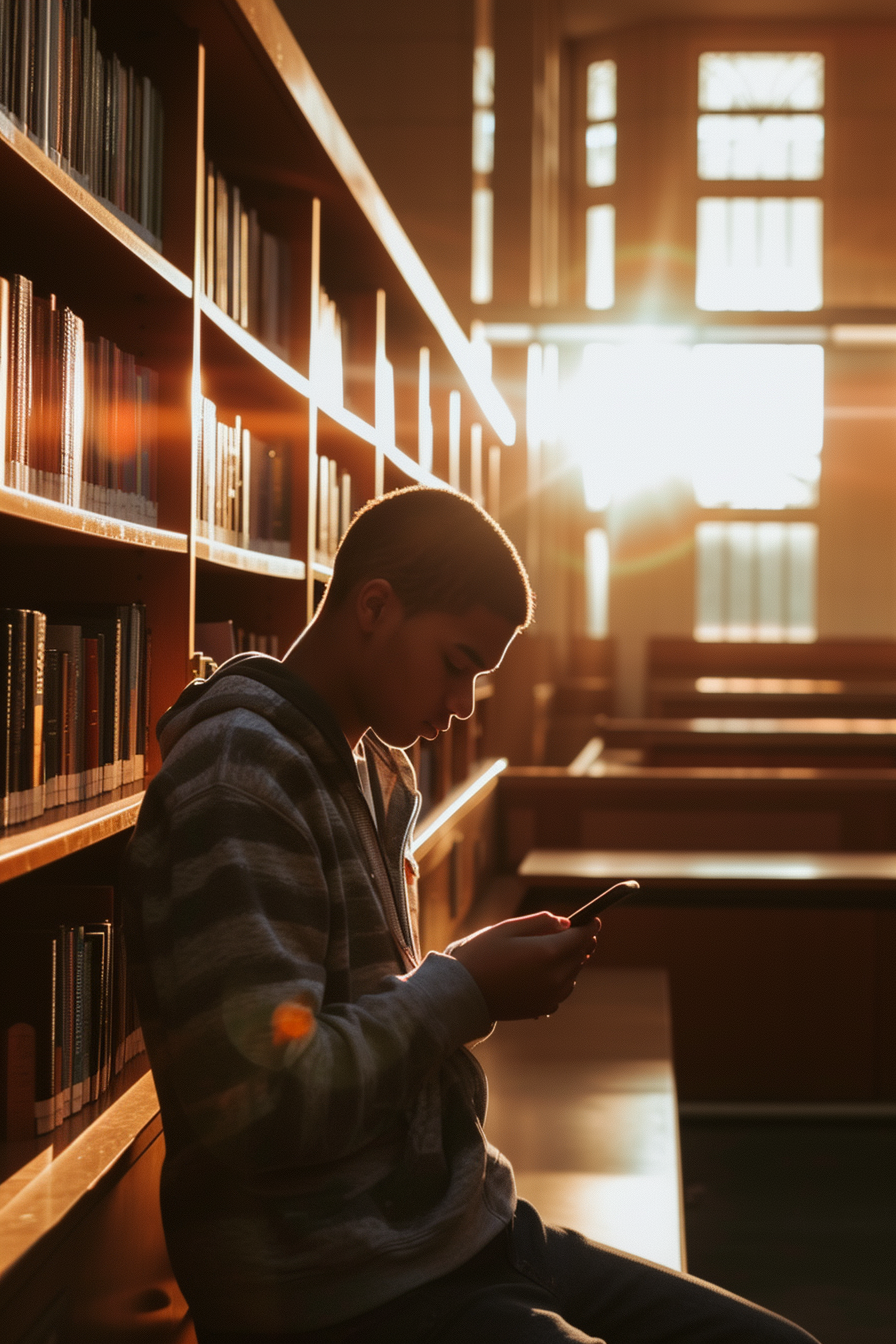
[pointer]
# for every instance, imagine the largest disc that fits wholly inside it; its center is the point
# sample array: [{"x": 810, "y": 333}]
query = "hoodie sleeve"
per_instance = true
[{"x": 230, "y": 911}]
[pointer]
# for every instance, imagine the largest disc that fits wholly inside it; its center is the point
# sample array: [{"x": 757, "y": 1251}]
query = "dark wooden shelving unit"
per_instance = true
[{"x": 236, "y": 85}]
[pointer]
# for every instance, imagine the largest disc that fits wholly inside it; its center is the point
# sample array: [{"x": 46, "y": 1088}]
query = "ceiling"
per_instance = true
[{"x": 583, "y": 18}]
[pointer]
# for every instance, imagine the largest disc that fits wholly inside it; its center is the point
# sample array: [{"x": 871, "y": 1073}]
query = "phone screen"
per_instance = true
[{"x": 617, "y": 892}]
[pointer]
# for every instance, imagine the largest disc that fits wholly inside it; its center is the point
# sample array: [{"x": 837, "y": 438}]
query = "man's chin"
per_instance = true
[{"x": 405, "y": 738}]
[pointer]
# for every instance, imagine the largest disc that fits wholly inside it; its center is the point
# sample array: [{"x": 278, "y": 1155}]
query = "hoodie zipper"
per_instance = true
[{"x": 384, "y": 883}]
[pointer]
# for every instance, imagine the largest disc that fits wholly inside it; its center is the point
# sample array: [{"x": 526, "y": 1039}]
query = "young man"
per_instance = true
[{"x": 326, "y": 1174}]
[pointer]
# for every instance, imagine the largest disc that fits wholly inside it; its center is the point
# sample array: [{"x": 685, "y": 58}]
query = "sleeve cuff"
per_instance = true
[{"x": 458, "y": 1014}]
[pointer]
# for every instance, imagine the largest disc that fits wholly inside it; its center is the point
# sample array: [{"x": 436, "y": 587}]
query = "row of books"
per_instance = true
[
  {"x": 78, "y": 418},
  {"x": 68, "y": 1020},
  {"x": 95, "y": 117},
  {"x": 246, "y": 269},
  {"x": 243, "y": 486},
  {"x": 74, "y": 700},
  {"x": 334, "y": 507},
  {"x": 220, "y": 640},
  {"x": 329, "y": 373}
]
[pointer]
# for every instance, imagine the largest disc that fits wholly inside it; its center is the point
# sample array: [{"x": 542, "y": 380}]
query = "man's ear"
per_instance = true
[{"x": 374, "y": 600}]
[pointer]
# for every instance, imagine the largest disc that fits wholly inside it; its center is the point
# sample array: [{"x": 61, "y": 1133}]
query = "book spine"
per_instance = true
[
  {"x": 19, "y": 1064},
  {"x": 20, "y": 383},
  {"x": 51, "y": 727},
  {"x": 45, "y": 1073},
  {"x": 91, "y": 717},
  {"x": 4, "y": 379},
  {"x": 7, "y": 645},
  {"x": 77, "y": 1019},
  {"x": 210, "y": 288}
]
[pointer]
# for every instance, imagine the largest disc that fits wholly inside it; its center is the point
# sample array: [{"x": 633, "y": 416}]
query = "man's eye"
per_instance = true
[{"x": 451, "y": 668}]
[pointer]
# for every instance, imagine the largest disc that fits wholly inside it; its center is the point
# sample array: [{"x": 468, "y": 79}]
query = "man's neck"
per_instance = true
[{"x": 319, "y": 657}]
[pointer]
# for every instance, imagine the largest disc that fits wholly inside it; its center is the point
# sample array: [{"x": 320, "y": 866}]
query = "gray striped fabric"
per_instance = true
[{"x": 322, "y": 1117}]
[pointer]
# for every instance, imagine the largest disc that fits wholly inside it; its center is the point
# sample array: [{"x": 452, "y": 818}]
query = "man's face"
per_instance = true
[{"x": 421, "y": 670}]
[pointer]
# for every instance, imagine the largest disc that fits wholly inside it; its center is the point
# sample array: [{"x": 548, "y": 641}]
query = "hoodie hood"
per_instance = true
[{"x": 227, "y": 689}]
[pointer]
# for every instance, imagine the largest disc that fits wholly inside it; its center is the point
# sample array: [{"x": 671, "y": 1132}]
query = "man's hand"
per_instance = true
[{"x": 526, "y": 967}]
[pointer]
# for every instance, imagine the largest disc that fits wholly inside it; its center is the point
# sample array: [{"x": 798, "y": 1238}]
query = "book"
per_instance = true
[
  {"x": 28, "y": 972},
  {"x": 74, "y": 703},
  {"x": 67, "y": 1011},
  {"x": 242, "y": 486},
  {"x": 96, "y": 118},
  {"x": 21, "y": 714},
  {"x": 246, "y": 270},
  {"x": 81, "y": 420},
  {"x": 4, "y": 358},
  {"x": 334, "y": 491}
]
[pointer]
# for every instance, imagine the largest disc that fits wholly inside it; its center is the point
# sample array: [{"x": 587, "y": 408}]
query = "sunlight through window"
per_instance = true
[
  {"x": 756, "y": 581},
  {"x": 757, "y": 426},
  {"x": 741, "y": 425},
  {"x": 600, "y": 154},
  {"x": 759, "y": 254},
  {"x": 743, "y": 80},
  {"x": 597, "y": 583},
  {"x": 483, "y": 156},
  {"x": 600, "y": 256},
  {"x": 601, "y": 91},
  {"x": 773, "y": 148}
]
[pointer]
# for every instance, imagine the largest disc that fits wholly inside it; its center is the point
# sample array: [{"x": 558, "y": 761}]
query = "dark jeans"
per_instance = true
[{"x": 543, "y": 1285}]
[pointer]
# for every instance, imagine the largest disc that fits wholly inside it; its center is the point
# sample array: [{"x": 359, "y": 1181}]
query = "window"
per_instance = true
[
  {"x": 759, "y": 254},
  {"x": 760, "y": 121},
  {"x": 597, "y": 583},
  {"x": 742, "y": 425},
  {"x": 758, "y": 425},
  {"x": 600, "y": 256},
  {"x": 756, "y": 581},
  {"x": 600, "y": 171},
  {"x": 600, "y": 134},
  {"x": 740, "y": 80},
  {"x": 483, "y": 155},
  {"x": 772, "y": 148}
]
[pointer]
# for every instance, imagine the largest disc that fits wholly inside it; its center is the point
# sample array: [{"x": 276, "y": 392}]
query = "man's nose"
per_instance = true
[{"x": 462, "y": 700}]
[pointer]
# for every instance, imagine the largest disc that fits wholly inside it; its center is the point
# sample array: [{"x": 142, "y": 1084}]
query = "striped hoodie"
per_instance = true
[{"x": 323, "y": 1120}]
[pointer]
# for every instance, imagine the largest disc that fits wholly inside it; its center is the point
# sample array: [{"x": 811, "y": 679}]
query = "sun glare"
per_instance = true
[{"x": 741, "y": 424}]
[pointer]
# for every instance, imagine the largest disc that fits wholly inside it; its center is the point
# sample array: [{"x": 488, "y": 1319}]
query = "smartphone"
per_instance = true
[{"x": 617, "y": 892}]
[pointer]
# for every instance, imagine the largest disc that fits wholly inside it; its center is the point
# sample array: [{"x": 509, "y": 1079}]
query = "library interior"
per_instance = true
[{"x": 623, "y": 272}]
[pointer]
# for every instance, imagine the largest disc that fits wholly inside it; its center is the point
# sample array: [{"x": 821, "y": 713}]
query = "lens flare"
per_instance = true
[{"x": 291, "y": 1021}]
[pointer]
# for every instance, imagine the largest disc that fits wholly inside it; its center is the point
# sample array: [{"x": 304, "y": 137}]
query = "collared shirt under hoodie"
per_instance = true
[{"x": 323, "y": 1120}]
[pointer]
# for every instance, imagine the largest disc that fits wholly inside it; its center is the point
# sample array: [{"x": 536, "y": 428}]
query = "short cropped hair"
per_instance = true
[{"x": 440, "y": 552}]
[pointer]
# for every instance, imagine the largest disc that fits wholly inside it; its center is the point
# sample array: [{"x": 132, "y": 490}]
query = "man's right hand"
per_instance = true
[{"x": 526, "y": 967}]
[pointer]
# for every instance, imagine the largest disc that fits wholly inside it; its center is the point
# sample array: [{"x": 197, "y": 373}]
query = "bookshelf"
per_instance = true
[{"x": 236, "y": 90}]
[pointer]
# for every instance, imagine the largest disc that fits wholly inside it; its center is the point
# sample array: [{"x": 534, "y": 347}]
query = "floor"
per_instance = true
[
  {"x": 799, "y": 1216},
  {"x": 583, "y": 1104}
]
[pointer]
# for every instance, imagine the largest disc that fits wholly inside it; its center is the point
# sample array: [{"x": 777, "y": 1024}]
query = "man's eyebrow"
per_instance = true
[{"x": 473, "y": 656}]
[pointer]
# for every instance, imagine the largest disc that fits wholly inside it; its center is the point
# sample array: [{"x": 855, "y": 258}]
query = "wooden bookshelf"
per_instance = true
[{"x": 235, "y": 86}]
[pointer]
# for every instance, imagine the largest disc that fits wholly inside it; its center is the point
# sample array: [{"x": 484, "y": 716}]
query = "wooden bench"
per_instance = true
[
  {"x": 584, "y": 1105},
  {"x": 713, "y": 877},
  {"x": 782, "y": 965},
  {"x": 689, "y": 808},
  {"x": 852, "y": 743},
  {"x": 832, "y": 678}
]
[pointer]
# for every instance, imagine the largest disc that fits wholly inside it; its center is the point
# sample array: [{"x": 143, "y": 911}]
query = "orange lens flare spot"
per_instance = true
[{"x": 291, "y": 1022}]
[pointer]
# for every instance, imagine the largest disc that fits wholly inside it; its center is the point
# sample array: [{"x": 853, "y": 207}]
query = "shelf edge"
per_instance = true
[
  {"x": 37, "y": 509},
  {"x": 45, "y": 842},
  {"x": 249, "y": 562},
  {"x": 57, "y": 1189},
  {"x": 91, "y": 205},
  {"x": 255, "y": 348},
  {"x": 279, "y": 42}
]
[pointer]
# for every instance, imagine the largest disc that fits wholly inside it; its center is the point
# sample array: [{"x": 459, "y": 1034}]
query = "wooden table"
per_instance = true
[
  {"x": 584, "y": 1105},
  {"x": 744, "y": 878},
  {"x": 856, "y": 743},
  {"x": 771, "y": 697}
]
